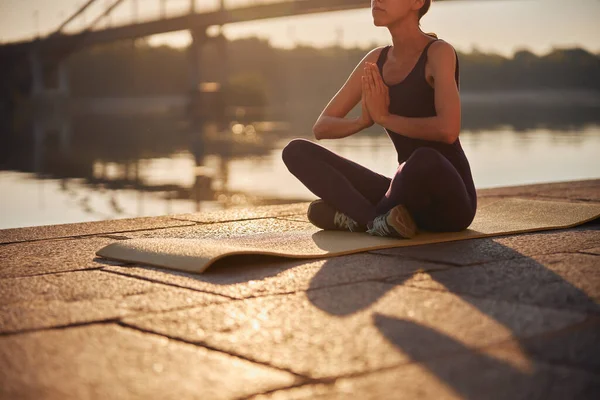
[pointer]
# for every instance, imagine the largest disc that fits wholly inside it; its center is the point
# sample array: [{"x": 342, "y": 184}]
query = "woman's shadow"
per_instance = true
[{"x": 519, "y": 280}]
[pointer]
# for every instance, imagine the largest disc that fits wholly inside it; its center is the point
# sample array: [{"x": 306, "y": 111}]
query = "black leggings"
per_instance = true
[{"x": 428, "y": 186}]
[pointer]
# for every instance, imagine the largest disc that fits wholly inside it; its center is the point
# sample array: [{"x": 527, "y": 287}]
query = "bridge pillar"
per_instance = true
[
  {"x": 37, "y": 72},
  {"x": 49, "y": 102},
  {"x": 63, "y": 78},
  {"x": 207, "y": 102},
  {"x": 196, "y": 99},
  {"x": 222, "y": 78}
]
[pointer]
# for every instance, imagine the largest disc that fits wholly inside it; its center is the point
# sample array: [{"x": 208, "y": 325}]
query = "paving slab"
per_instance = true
[
  {"x": 500, "y": 373},
  {"x": 254, "y": 275},
  {"x": 113, "y": 362},
  {"x": 78, "y": 297},
  {"x": 87, "y": 228},
  {"x": 355, "y": 328},
  {"x": 582, "y": 190},
  {"x": 563, "y": 280},
  {"x": 481, "y": 250},
  {"x": 50, "y": 256}
]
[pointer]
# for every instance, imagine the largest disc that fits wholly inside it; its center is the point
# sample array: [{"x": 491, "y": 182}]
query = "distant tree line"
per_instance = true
[{"x": 260, "y": 73}]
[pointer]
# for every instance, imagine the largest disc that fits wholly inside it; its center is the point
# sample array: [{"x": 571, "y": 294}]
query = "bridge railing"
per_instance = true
[{"x": 129, "y": 12}]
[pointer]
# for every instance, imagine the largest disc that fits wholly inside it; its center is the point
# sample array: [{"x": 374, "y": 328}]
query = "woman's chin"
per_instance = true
[{"x": 379, "y": 22}]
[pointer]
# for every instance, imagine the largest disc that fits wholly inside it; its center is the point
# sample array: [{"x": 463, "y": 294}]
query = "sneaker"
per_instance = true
[
  {"x": 323, "y": 216},
  {"x": 395, "y": 223}
]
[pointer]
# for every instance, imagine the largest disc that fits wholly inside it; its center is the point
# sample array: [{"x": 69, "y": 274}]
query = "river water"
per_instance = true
[{"x": 108, "y": 168}]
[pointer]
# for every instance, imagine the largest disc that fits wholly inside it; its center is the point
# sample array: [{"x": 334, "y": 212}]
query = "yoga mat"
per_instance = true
[{"x": 505, "y": 216}]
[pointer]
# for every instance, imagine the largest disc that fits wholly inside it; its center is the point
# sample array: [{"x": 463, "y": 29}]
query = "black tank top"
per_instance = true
[{"x": 414, "y": 97}]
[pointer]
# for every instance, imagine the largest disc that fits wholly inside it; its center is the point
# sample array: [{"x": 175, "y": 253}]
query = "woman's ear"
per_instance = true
[{"x": 417, "y": 4}]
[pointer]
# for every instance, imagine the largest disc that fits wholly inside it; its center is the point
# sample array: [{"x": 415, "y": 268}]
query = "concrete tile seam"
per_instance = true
[
  {"x": 51, "y": 273},
  {"x": 204, "y": 345},
  {"x": 92, "y": 235},
  {"x": 223, "y": 221},
  {"x": 53, "y": 239},
  {"x": 310, "y": 381},
  {"x": 538, "y": 196},
  {"x": 114, "y": 237},
  {"x": 165, "y": 283},
  {"x": 329, "y": 380},
  {"x": 480, "y": 297},
  {"x": 455, "y": 265},
  {"x": 73, "y": 301},
  {"x": 589, "y": 321},
  {"x": 413, "y": 258},
  {"x": 293, "y": 219},
  {"x": 60, "y": 327},
  {"x": 587, "y": 252},
  {"x": 272, "y": 391},
  {"x": 158, "y": 312},
  {"x": 516, "y": 257}
]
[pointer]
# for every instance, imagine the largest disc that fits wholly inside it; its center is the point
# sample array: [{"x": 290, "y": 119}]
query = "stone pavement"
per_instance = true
[{"x": 509, "y": 317}]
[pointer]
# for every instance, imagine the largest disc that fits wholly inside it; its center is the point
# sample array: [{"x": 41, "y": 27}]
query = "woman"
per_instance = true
[{"x": 411, "y": 88}]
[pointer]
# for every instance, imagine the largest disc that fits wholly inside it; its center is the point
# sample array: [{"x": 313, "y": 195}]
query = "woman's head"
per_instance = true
[{"x": 386, "y": 12}]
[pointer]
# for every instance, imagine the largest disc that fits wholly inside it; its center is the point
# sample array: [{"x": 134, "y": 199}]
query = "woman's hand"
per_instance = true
[
  {"x": 365, "y": 119},
  {"x": 375, "y": 93}
]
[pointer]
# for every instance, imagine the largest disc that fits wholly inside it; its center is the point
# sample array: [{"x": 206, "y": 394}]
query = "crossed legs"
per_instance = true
[{"x": 428, "y": 186}]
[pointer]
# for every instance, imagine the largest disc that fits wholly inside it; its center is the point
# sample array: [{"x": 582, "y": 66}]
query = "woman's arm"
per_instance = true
[
  {"x": 445, "y": 126},
  {"x": 332, "y": 123},
  {"x": 337, "y": 127}
]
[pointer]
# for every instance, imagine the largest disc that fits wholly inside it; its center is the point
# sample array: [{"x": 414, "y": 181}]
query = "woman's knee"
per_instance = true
[
  {"x": 426, "y": 153},
  {"x": 296, "y": 148},
  {"x": 424, "y": 159}
]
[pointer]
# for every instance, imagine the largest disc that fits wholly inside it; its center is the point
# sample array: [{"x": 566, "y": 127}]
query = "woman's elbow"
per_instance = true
[
  {"x": 450, "y": 136},
  {"x": 318, "y": 131},
  {"x": 449, "y": 131}
]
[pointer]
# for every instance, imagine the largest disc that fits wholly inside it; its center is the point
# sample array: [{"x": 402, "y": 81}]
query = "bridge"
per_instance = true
[{"x": 194, "y": 20}]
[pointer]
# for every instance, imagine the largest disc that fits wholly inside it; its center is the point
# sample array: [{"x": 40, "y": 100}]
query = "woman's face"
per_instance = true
[{"x": 385, "y": 12}]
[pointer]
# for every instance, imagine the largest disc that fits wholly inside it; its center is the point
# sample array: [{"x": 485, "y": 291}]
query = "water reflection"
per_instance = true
[{"x": 101, "y": 167}]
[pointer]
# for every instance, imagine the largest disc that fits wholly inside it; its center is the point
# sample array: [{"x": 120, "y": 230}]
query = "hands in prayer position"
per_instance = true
[{"x": 375, "y": 96}]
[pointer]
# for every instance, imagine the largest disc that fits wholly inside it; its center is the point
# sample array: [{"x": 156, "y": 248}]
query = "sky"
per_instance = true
[{"x": 499, "y": 26}]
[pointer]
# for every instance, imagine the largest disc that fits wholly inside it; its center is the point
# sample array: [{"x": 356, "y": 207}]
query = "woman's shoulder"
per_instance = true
[
  {"x": 375, "y": 54},
  {"x": 441, "y": 45},
  {"x": 441, "y": 51}
]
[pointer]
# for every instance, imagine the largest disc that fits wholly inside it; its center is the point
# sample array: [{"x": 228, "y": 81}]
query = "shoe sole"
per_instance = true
[
  {"x": 332, "y": 227},
  {"x": 308, "y": 213},
  {"x": 312, "y": 221},
  {"x": 401, "y": 220}
]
